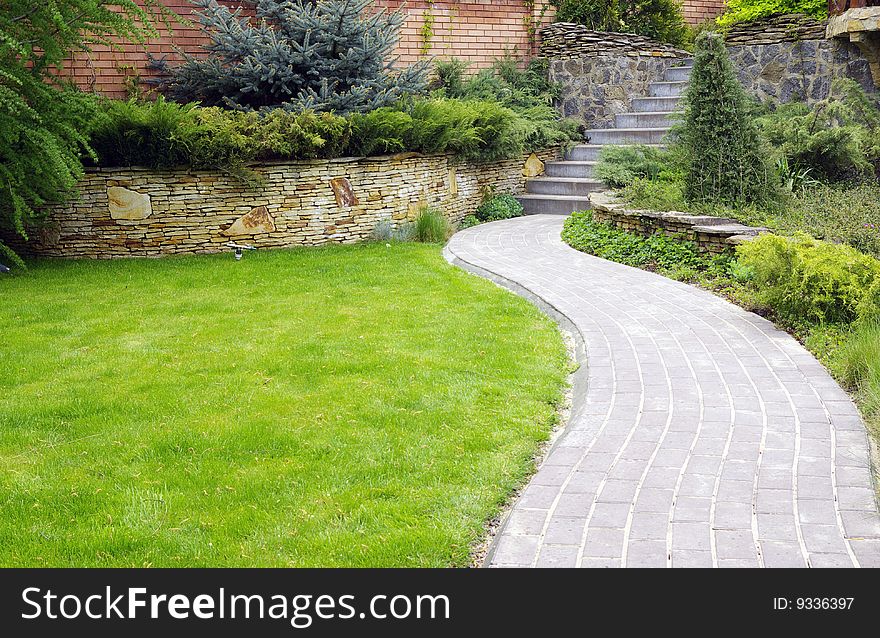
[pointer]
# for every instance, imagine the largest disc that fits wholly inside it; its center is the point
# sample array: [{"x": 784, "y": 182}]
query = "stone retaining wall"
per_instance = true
[
  {"x": 570, "y": 40},
  {"x": 791, "y": 27},
  {"x": 711, "y": 234},
  {"x": 129, "y": 212},
  {"x": 790, "y": 71}
]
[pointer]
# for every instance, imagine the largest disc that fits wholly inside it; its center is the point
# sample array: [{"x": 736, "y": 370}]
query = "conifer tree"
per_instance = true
[
  {"x": 325, "y": 55},
  {"x": 726, "y": 160}
]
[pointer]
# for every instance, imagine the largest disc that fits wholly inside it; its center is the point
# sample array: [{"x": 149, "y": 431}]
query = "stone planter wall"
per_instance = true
[
  {"x": 131, "y": 212},
  {"x": 713, "y": 235}
]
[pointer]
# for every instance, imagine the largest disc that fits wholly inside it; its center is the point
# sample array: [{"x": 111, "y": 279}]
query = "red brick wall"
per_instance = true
[
  {"x": 700, "y": 11},
  {"x": 474, "y": 30}
]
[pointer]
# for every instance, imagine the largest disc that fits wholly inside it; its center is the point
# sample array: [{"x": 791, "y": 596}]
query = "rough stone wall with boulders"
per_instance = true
[
  {"x": 595, "y": 88},
  {"x": 714, "y": 235},
  {"x": 132, "y": 212},
  {"x": 599, "y": 73},
  {"x": 803, "y": 70}
]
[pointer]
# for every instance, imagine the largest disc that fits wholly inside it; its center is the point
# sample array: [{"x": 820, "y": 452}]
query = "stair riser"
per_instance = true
[
  {"x": 612, "y": 136},
  {"x": 562, "y": 169},
  {"x": 553, "y": 207},
  {"x": 642, "y": 104},
  {"x": 677, "y": 74},
  {"x": 658, "y": 89},
  {"x": 643, "y": 120},
  {"x": 573, "y": 189},
  {"x": 583, "y": 154}
]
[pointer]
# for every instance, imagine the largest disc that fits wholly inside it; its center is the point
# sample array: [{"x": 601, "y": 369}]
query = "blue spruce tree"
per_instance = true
[{"x": 325, "y": 55}]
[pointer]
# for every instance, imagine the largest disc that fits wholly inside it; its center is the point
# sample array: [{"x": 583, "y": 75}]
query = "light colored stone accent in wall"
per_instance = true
[
  {"x": 125, "y": 204},
  {"x": 257, "y": 221},
  {"x": 533, "y": 166},
  {"x": 193, "y": 211}
]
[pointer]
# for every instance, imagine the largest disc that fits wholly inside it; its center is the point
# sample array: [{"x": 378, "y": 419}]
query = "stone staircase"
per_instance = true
[{"x": 566, "y": 185}]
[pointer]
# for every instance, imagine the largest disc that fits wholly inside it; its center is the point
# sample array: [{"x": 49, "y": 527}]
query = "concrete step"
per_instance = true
[
  {"x": 666, "y": 89},
  {"x": 552, "y": 204},
  {"x": 658, "y": 119},
  {"x": 572, "y": 186},
  {"x": 569, "y": 169},
  {"x": 655, "y": 104},
  {"x": 677, "y": 73},
  {"x": 627, "y": 135},
  {"x": 584, "y": 153}
]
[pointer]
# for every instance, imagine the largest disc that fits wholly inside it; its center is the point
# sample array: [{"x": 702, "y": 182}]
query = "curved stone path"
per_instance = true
[{"x": 703, "y": 436}]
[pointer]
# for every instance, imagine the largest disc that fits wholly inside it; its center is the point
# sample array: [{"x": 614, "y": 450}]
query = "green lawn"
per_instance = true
[{"x": 346, "y": 406}]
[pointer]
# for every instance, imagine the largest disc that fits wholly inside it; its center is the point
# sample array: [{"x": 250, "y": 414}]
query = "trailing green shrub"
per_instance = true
[
  {"x": 620, "y": 166},
  {"x": 499, "y": 207},
  {"x": 431, "y": 226},
  {"x": 528, "y": 92},
  {"x": 381, "y": 131},
  {"x": 163, "y": 134},
  {"x": 805, "y": 279},
  {"x": 469, "y": 221},
  {"x": 836, "y": 139},
  {"x": 44, "y": 121},
  {"x": 661, "y": 20},
  {"x": 155, "y": 134},
  {"x": 726, "y": 160},
  {"x": 750, "y": 10},
  {"x": 473, "y": 129}
]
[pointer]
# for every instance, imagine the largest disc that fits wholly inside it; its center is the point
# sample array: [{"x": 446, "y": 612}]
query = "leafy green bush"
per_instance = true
[
  {"x": 499, "y": 207},
  {"x": 384, "y": 130},
  {"x": 802, "y": 278},
  {"x": 661, "y": 20},
  {"x": 469, "y": 221},
  {"x": 620, "y": 166},
  {"x": 658, "y": 251},
  {"x": 750, "y": 10},
  {"x": 431, "y": 226},
  {"x": 836, "y": 139},
  {"x": 527, "y": 92},
  {"x": 726, "y": 160},
  {"x": 163, "y": 134},
  {"x": 44, "y": 121},
  {"x": 155, "y": 134}
]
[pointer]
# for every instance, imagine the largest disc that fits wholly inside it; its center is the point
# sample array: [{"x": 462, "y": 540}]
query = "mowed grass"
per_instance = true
[{"x": 344, "y": 406}]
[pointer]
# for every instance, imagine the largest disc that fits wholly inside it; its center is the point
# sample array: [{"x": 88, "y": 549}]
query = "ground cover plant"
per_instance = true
[
  {"x": 658, "y": 19},
  {"x": 361, "y": 405}
]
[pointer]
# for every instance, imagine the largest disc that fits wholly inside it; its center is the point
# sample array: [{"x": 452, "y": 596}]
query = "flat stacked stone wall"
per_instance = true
[
  {"x": 714, "y": 235},
  {"x": 791, "y": 27},
  {"x": 130, "y": 212},
  {"x": 570, "y": 40}
]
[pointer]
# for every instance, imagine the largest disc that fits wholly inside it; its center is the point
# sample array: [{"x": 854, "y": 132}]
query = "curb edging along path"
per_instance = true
[{"x": 703, "y": 436}]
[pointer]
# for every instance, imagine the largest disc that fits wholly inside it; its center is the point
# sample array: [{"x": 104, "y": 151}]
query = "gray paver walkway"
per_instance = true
[{"x": 704, "y": 435}]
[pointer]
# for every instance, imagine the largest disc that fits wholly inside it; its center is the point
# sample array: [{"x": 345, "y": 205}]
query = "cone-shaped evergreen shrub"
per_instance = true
[
  {"x": 324, "y": 55},
  {"x": 726, "y": 160}
]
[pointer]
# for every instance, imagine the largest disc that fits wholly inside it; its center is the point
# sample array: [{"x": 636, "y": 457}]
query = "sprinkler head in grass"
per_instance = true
[
  {"x": 239, "y": 249},
  {"x": 4, "y": 269}
]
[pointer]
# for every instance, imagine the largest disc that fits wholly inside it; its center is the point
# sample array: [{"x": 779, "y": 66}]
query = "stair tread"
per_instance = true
[
  {"x": 559, "y": 178},
  {"x": 629, "y": 130},
  {"x": 577, "y": 162},
  {"x": 648, "y": 112},
  {"x": 559, "y": 198}
]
